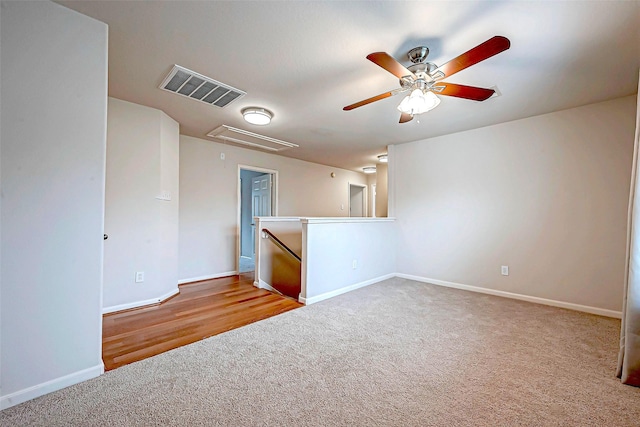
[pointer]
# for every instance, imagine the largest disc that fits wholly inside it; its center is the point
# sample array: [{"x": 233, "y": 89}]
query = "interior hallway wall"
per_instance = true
[
  {"x": 209, "y": 200},
  {"x": 382, "y": 171},
  {"x": 53, "y": 136},
  {"x": 546, "y": 196},
  {"x": 142, "y": 173}
]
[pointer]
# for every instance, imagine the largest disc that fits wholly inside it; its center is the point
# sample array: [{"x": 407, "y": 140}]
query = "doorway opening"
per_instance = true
[
  {"x": 257, "y": 196},
  {"x": 357, "y": 200}
]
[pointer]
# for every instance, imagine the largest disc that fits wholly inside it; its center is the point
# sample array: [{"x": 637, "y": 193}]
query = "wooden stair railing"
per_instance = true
[{"x": 281, "y": 245}]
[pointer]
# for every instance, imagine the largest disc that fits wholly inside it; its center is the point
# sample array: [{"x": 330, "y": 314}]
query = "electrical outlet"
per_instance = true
[
  {"x": 221, "y": 156},
  {"x": 139, "y": 276},
  {"x": 504, "y": 270},
  {"x": 354, "y": 264}
]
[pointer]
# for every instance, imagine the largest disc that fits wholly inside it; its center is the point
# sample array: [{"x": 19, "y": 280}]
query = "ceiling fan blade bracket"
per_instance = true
[
  {"x": 406, "y": 82},
  {"x": 437, "y": 75}
]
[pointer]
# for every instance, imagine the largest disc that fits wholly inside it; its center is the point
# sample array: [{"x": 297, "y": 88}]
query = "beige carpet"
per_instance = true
[{"x": 398, "y": 353}]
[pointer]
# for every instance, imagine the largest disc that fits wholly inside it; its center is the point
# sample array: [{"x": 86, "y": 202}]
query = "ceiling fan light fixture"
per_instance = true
[
  {"x": 383, "y": 158},
  {"x": 257, "y": 116},
  {"x": 419, "y": 102}
]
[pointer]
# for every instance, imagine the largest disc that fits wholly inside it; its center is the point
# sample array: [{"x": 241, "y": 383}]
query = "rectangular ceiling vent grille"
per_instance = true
[
  {"x": 196, "y": 86},
  {"x": 250, "y": 139}
]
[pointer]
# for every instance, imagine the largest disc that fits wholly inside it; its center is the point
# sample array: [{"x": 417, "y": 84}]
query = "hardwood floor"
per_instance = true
[{"x": 200, "y": 310}]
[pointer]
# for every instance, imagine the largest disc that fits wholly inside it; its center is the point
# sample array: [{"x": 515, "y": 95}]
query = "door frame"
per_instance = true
[
  {"x": 365, "y": 207},
  {"x": 274, "y": 202}
]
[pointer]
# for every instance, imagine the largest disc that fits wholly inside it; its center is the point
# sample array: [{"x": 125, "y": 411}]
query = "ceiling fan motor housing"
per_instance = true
[
  {"x": 422, "y": 69},
  {"x": 423, "y": 73}
]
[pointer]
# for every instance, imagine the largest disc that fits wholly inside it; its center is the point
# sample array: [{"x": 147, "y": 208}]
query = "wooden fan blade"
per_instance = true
[
  {"x": 404, "y": 117},
  {"x": 369, "y": 100},
  {"x": 485, "y": 50},
  {"x": 462, "y": 91},
  {"x": 387, "y": 62}
]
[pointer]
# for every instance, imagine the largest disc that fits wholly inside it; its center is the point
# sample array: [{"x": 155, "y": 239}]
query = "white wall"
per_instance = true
[
  {"x": 142, "y": 165},
  {"x": 545, "y": 195},
  {"x": 54, "y": 95},
  {"x": 209, "y": 200},
  {"x": 331, "y": 246}
]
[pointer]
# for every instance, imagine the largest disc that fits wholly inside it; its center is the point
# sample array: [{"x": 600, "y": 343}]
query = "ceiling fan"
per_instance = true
[{"x": 423, "y": 79}]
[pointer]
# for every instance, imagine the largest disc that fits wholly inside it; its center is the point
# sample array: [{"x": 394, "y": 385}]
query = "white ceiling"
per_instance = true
[{"x": 306, "y": 60}]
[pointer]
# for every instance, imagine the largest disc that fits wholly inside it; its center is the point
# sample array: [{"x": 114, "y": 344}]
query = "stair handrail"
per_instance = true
[{"x": 280, "y": 244}]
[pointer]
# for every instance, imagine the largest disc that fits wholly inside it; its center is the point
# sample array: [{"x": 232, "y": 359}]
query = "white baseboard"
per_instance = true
[
  {"x": 138, "y": 304},
  {"x": 209, "y": 277},
  {"x": 331, "y": 294},
  {"x": 264, "y": 285},
  {"x": 537, "y": 300},
  {"x": 50, "y": 386}
]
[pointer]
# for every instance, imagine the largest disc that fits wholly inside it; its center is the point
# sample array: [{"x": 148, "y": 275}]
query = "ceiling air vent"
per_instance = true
[
  {"x": 196, "y": 86},
  {"x": 254, "y": 140}
]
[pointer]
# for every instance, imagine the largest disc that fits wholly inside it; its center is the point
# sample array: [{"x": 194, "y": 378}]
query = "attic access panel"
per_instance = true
[
  {"x": 188, "y": 83},
  {"x": 250, "y": 139}
]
